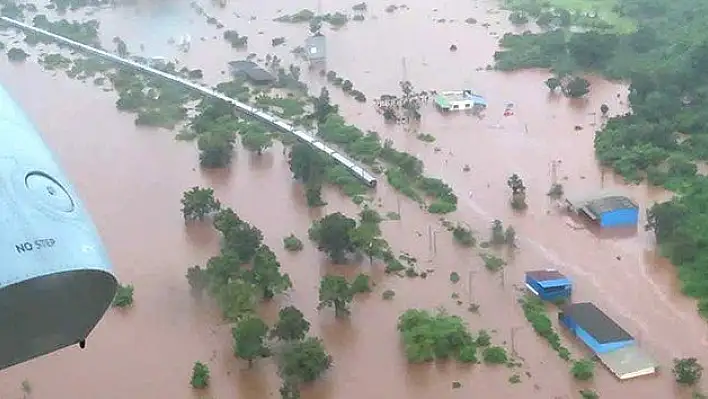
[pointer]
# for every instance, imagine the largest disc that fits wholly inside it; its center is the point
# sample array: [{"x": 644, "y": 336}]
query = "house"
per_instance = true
[
  {"x": 615, "y": 348},
  {"x": 252, "y": 72},
  {"x": 608, "y": 210},
  {"x": 548, "y": 284},
  {"x": 459, "y": 100},
  {"x": 592, "y": 326}
]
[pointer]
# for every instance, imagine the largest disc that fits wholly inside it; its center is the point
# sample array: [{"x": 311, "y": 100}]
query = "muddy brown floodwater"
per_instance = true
[{"x": 132, "y": 179}]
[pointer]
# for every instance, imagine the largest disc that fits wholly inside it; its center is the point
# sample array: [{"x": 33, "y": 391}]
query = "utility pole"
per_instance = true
[
  {"x": 430, "y": 239},
  {"x": 404, "y": 69},
  {"x": 502, "y": 277},
  {"x": 469, "y": 286}
]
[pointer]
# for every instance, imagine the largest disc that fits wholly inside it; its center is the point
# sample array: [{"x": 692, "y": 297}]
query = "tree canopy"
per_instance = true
[
  {"x": 291, "y": 325},
  {"x": 334, "y": 235},
  {"x": 198, "y": 203}
]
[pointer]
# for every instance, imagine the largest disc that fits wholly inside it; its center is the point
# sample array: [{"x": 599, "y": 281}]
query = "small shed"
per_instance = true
[
  {"x": 608, "y": 210},
  {"x": 592, "y": 326},
  {"x": 458, "y": 100},
  {"x": 252, "y": 72},
  {"x": 548, "y": 284}
]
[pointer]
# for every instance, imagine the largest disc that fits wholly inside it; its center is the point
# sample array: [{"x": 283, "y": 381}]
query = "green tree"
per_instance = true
[
  {"x": 291, "y": 325},
  {"x": 124, "y": 296},
  {"x": 200, "y": 376},
  {"x": 510, "y": 237},
  {"x": 222, "y": 268},
  {"x": 215, "y": 149},
  {"x": 335, "y": 292},
  {"x": 604, "y": 109},
  {"x": 428, "y": 336},
  {"x": 303, "y": 361},
  {"x": 583, "y": 369},
  {"x": 518, "y": 192},
  {"x": 265, "y": 273},
  {"x": 306, "y": 163},
  {"x": 553, "y": 83},
  {"x": 257, "y": 141},
  {"x": 497, "y": 236},
  {"x": 687, "y": 371},
  {"x": 361, "y": 284},
  {"x": 334, "y": 235},
  {"x": 239, "y": 237},
  {"x": 323, "y": 106},
  {"x": 367, "y": 237},
  {"x": 198, "y": 280},
  {"x": 198, "y": 203},
  {"x": 237, "y": 299},
  {"x": 249, "y": 339},
  {"x": 592, "y": 50},
  {"x": 577, "y": 87}
]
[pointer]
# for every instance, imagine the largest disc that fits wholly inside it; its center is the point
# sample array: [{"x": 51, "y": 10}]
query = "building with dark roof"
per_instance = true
[
  {"x": 608, "y": 210},
  {"x": 592, "y": 326},
  {"x": 252, "y": 72},
  {"x": 548, "y": 284}
]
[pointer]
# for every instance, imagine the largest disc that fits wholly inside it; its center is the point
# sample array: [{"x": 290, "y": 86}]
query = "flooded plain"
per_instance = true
[{"x": 132, "y": 179}]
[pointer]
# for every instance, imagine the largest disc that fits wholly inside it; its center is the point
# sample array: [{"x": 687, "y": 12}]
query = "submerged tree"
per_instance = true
[
  {"x": 334, "y": 235},
  {"x": 518, "y": 192},
  {"x": 291, "y": 325},
  {"x": 335, "y": 292},
  {"x": 198, "y": 203},
  {"x": 265, "y": 273},
  {"x": 249, "y": 339}
]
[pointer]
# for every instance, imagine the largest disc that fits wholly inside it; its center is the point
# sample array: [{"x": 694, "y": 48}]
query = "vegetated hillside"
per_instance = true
[{"x": 666, "y": 60}]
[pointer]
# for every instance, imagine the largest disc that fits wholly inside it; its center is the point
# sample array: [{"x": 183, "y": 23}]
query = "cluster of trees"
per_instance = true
[
  {"x": 339, "y": 236},
  {"x": 345, "y": 84},
  {"x": 571, "y": 86},
  {"x": 245, "y": 271},
  {"x": 216, "y": 127},
  {"x": 429, "y": 336},
  {"x": 499, "y": 236}
]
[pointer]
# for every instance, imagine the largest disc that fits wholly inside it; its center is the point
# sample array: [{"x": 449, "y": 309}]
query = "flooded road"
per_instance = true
[{"x": 132, "y": 179}]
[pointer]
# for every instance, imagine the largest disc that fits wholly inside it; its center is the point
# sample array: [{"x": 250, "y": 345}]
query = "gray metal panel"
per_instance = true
[
  {"x": 316, "y": 48},
  {"x": 628, "y": 362}
]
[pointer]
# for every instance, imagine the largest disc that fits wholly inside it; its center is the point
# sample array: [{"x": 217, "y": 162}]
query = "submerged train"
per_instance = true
[{"x": 56, "y": 280}]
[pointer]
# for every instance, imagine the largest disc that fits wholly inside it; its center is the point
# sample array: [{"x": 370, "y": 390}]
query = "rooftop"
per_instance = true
[
  {"x": 610, "y": 203},
  {"x": 545, "y": 275},
  {"x": 628, "y": 362},
  {"x": 252, "y": 71},
  {"x": 593, "y": 320}
]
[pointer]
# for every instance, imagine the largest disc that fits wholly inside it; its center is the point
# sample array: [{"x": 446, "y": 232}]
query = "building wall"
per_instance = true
[
  {"x": 544, "y": 294},
  {"x": 620, "y": 217},
  {"x": 588, "y": 340}
]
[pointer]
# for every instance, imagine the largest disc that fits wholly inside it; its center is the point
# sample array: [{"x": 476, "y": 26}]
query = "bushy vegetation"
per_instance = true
[
  {"x": 200, "y": 376},
  {"x": 687, "y": 371},
  {"x": 583, "y": 369},
  {"x": 664, "y": 136},
  {"x": 336, "y": 292},
  {"x": 428, "y": 336},
  {"x": 292, "y": 243},
  {"x": 535, "y": 312},
  {"x": 339, "y": 236},
  {"x": 198, "y": 203},
  {"x": 124, "y": 296}
]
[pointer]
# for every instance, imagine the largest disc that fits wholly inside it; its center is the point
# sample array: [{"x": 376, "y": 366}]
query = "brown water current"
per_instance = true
[{"x": 132, "y": 179}]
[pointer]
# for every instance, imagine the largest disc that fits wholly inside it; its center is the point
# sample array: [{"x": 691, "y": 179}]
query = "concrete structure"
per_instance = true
[
  {"x": 316, "y": 49},
  {"x": 628, "y": 362},
  {"x": 254, "y": 73},
  {"x": 548, "y": 284},
  {"x": 607, "y": 210},
  {"x": 460, "y": 100},
  {"x": 246, "y": 109},
  {"x": 56, "y": 279},
  {"x": 615, "y": 347}
]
